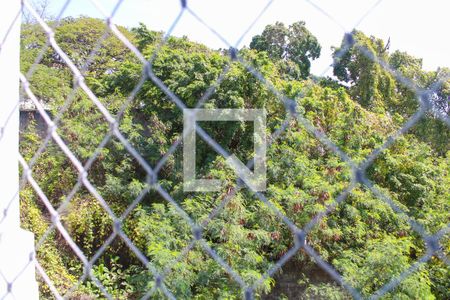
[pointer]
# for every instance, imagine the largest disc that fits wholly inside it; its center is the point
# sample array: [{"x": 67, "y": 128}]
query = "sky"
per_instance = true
[{"x": 418, "y": 27}]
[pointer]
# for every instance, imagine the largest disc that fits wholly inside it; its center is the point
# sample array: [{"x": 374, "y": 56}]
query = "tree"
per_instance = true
[
  {"x": 304, "y": 178},
  {"x": 430, "y": 129},
  {"x": 295, "y": 43},
  {"x": 355, "y": 63},
  {"x": 145, "y": 37},
  {"x": 362, "y": 63}
]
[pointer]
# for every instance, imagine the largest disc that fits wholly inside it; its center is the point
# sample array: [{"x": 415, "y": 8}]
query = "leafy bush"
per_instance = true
[{"x": 363, "y": 238}]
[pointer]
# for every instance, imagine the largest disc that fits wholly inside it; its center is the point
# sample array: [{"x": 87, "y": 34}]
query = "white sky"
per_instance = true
[{"x": 419, "y": 27}]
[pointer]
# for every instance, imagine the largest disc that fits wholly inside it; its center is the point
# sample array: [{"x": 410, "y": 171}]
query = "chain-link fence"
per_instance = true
[{"x": 292, "y": 113}]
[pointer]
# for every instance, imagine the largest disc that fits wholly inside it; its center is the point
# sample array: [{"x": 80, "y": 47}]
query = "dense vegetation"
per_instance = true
[{"x": 363, "y": 238}]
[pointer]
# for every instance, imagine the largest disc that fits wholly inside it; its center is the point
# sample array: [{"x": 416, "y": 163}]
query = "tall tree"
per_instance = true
[
  {"x": 358, "y": 62},
  {"x": 289, "y": 44},
  {"x": 355, "y": 63}
]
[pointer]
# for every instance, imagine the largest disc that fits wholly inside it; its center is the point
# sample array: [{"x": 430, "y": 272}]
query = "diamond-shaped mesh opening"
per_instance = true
[
  {"x": 193, "y": 274},
  {"x": 157, "y": 227},
  {"x": 53, "y": 253},
  {"x": 314, "y": 175},
  {"x": 119, "y": 178},
  {"x": 362, "y": 237},
  {"x": 354, "y": 129},
  {"x": 411, "y": 176},
  {"x": 304, "y": 280},
  {"x": 160, "y": 234},
  {"x": 433, "y": 132},
  {"x": 61, "y": 175},
  {"x": 82, "y": 127},
  {"x": 116, "y": 259},
  {"x": 87, "y": 222},
  {"x": 229, "y": 135},
  {"x": 235, "y": 229}
]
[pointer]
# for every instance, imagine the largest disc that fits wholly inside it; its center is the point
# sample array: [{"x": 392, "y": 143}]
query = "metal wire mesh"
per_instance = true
[{"x": 359, "y": 176}]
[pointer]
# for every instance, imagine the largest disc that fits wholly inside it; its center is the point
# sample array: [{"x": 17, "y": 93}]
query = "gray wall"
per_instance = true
[{"x": 27, "y": 116}]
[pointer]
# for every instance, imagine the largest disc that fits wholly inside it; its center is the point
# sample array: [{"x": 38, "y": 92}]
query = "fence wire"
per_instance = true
[{"x": 359, "y": 176}]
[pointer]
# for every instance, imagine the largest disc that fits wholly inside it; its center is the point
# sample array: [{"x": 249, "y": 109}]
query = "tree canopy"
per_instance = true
[
  {"x": 367, "y": 242},
  {"x": 294, "y": 46}
]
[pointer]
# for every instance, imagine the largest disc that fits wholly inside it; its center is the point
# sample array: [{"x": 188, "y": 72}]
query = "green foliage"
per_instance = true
[
  {"x": 381, "y": 91},
  {"x": 363, "y": 237},
  {"x": 372, "y": 86},
  {"x": 294, "y": 47},
  {"x": 381, "y": 261}
]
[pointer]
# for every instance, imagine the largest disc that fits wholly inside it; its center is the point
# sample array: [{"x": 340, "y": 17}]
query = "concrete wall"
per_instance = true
[
  {"x": 27, "y": 116},
  {"x": 287, "y": 280}
]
